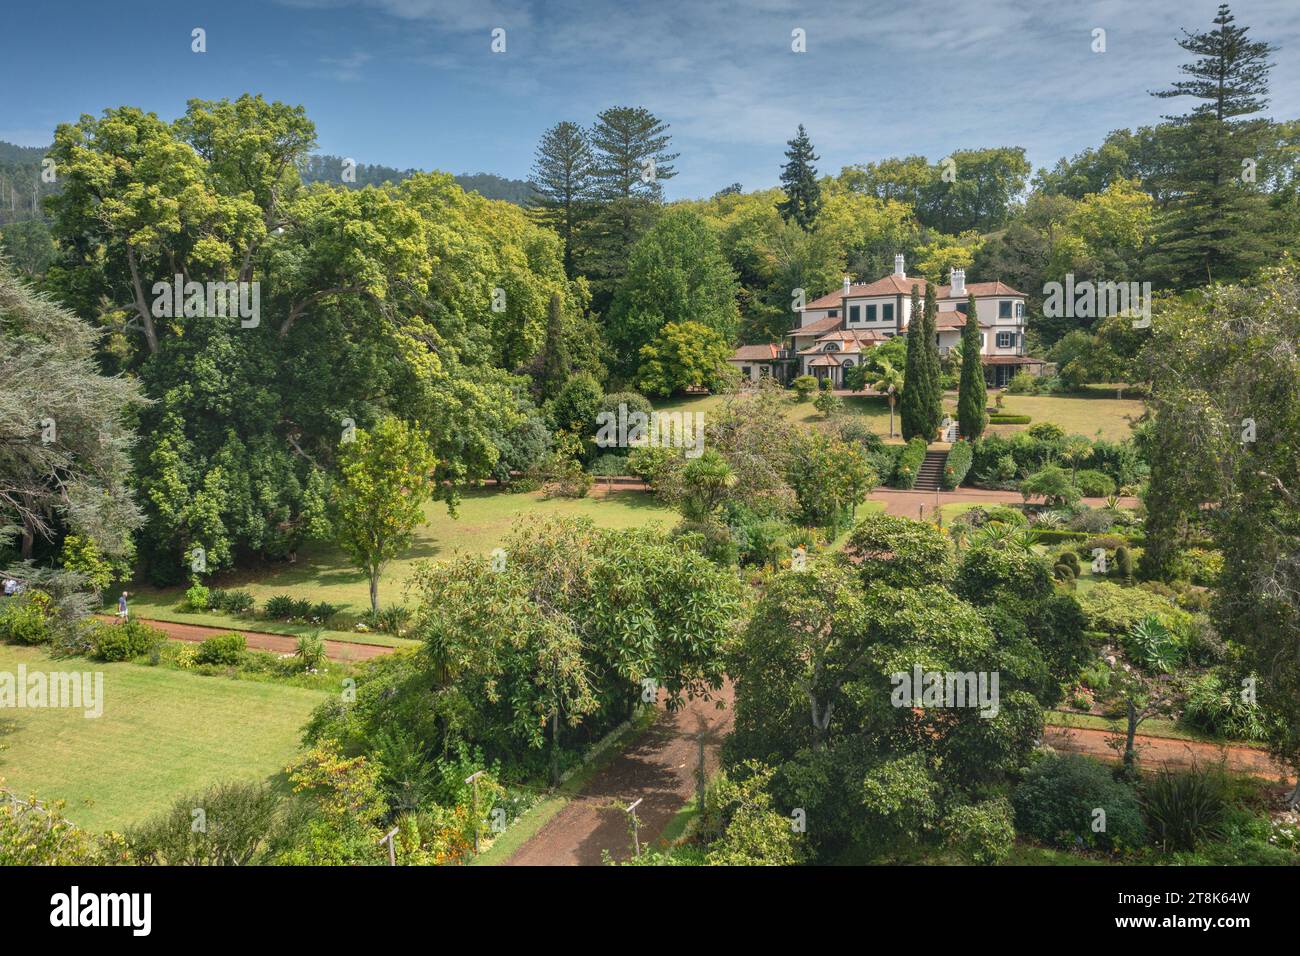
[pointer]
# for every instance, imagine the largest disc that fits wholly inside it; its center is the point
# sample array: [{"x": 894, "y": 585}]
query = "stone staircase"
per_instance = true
[{"x": 929, "y": 476}]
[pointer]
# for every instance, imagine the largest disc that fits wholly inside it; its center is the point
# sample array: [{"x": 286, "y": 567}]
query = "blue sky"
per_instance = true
[{"x": 414, "y": 82}]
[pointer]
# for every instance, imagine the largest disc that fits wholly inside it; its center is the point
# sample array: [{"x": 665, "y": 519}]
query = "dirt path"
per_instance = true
[
  {"x": 661, "y": 767},
  {"x": 1157, "y": 752},
  {"x": 261, "y": 641}
]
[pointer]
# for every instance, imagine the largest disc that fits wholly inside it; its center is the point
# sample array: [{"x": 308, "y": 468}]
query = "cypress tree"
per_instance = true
[
  {"x": 912, "y": 405},
  {"x": 971, "y": 396},
  {"x": 555, "y": 365},
  {"x": 933, "y": 408},
  {"x": 803, "y": 196}
]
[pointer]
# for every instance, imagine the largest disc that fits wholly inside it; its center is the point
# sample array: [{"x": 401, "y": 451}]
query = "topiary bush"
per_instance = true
[
  {"x": 804, "y": 386},
  {"x": 958, "y": 464},
  {"x": 222, "y": 650},
  {"x": 909, "y": 463},
  {"x": 1058, "y": 800}
]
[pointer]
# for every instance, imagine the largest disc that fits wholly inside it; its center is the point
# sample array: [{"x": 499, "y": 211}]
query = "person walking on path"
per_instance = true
[{"x": 122, "y": 610}]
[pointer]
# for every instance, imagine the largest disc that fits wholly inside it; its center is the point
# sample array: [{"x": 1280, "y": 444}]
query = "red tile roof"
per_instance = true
[
  {"x": 902, "y": 285},
  {"x": 755, "y": 353}
]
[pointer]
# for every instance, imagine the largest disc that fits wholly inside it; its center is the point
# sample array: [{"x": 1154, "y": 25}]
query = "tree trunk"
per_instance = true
[
  {"x": 374, "y": 589},
  {"x": 555, "y": 747},
  {"x": 1130, "y": 751}
]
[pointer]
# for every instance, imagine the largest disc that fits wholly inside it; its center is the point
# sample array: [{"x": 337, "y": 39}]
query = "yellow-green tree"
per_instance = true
[{"x": 384, "y": 481}]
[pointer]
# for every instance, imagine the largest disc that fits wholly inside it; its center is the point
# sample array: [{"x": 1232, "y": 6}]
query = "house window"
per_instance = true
[
  {"x": 1004, "y": 309},
  {"x": 1006, "y": 340},
  {"x": 1020, "y": 310},
  {"x": 747, "y": 371},
  {"x": 853, "y": 313},
  {"x": 871, "y": 313},
  {"x": 962, "y": 307},
  {"x": 833, "y": 313},
  {"x": 831, "y": 347},
  {"x": 887, "y": 312}
]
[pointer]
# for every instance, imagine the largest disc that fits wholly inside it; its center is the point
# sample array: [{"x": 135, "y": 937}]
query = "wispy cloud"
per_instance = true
[{"x": 347, "y": 68}]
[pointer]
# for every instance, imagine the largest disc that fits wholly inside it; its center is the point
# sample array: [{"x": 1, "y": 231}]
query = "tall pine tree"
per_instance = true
[
  {"x": 562, "y": 177},
  {"x": 1218, "y": 227},
  {"x": 971, "y": 396},
  {"x": 630, "y": 145},
  {"x": 912, "y": 406},
  {"x": 803, "y": 196}
]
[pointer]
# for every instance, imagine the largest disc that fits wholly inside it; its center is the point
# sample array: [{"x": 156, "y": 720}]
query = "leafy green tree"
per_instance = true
[
  {"x": 830, "y": 479},
  {"x": 676, "y": 274},
  {"x": 563, "y": 180},
  {"x": 1053, "y": 484},
  {"x": 971, "y": 397},
  {"x": 1226, "y": 440},
  {"x": 379, "y": 496},
  {"x": 799, "y": 182},
  {"x": 684, "y": 355}
]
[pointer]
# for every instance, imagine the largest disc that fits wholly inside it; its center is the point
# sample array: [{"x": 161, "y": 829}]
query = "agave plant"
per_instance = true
[{"x": 1154, "y": 645}]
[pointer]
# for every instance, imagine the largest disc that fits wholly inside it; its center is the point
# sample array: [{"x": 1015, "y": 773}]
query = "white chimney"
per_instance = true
[
  {"x": 847, "y": 284},
  {"x": 958, "y": 282},
  {"x": 898, "y": 265}
]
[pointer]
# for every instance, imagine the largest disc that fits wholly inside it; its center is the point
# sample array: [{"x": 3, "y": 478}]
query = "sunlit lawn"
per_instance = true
[
  {"x": 323, "y": 573},
  {"x": 163, "y": 734}
]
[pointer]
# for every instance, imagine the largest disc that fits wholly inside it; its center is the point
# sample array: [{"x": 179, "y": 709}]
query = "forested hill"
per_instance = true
[{"x": 319, "y": 168}]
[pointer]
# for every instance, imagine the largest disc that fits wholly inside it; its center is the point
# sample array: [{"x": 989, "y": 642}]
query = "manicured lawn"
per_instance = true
[
  {"x": 322, "y": 572},
  {"x": 163, "y": 734},
  {"x": 873, "y": 408},
  {"x": 1095, "y": 414}
]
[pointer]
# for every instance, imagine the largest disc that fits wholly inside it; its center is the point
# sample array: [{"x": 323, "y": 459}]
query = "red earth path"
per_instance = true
[
  {"x": 261, "y": 641},
  {"x": 1157, "y": 752}
]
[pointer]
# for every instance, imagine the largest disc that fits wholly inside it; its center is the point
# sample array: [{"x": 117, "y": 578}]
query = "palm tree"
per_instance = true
[{"x": 889, "y": 382}]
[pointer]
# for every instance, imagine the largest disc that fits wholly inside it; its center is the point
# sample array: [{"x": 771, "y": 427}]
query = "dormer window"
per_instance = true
[{"x": 831, "y": 347}]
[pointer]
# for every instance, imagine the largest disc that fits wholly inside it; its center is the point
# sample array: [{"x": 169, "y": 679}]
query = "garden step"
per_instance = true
[{"x": 929, "y": 476}]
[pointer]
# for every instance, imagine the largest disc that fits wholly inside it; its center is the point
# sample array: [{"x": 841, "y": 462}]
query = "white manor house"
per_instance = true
[{"x": 836, "y": 330}]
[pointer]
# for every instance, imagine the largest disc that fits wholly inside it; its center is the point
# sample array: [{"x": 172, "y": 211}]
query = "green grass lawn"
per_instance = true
[
  {"x": 163, "y": 734},
  {"x": 322, "y": 572},
  {"x": 1096, "y": 413},
  {"x": 873, "y": 408}
]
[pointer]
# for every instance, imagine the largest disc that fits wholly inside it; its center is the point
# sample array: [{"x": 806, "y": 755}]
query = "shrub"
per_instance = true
[
  {"x": 609, "y": 465},
  {"x": 236, "y": 602},
  {"x": 323, "y": 612},
  {"x": 1187, "y": 808},
  {"x": 311, "y": 651},
  {"x": 1051, "y": 483},
  {"x": 1057, "y": 800},
  {"x": 1092, "y": 520},
  {"x": 1215, "y": 706},
  {"x": 1094, "y": 484},
  {"x": 828, "y": 403},
  {"x": 1046, "y": 431},
  {"x": 26, "y": 619},
  {"x": 804, "y": 387},
  {"x": 1072, "y": 559},
  {"x": 124, "y": 641},
  {"x": 197, "y": 597},
  {"x": 996, "y": 419},
  {"x": 1198, "y": 565},
  {"x": 390, "y": 620},
  {"x": 279, "y": 607},
  {"x": 1124, "y": 563},
  {"x": 224, "y": 649},
  {"x": 983, "y": 832},
  {"x": 1115, "y": 610},
  {"x": 1064, "y": 573},
  {"x": 958, "y": 464},
  {"x": 1022, "y": 383},
  {"x": 653, "y": 463},
  {"x": 909, "y": 463}
]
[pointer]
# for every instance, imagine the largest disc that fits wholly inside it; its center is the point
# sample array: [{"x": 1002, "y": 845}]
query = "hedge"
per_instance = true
[
  {"x": 1009, "y": 419},
  {"x": 909, "y": 463},
  {"x": 958, "y": 464},
  {"x": 1051, "y": 535}
]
